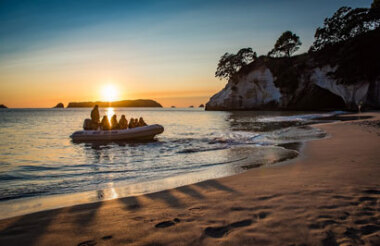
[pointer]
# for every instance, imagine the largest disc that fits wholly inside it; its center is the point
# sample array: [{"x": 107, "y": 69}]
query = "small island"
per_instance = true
[
  {"x": 3, "y": 106},
  {"x": 117, "y": 104},
  {"x": 59, "y": 105},
  {"x": 201, "y": 106}
]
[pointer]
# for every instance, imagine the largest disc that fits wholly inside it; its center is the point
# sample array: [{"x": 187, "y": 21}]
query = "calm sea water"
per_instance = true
[{"x": 38, "y": 159}]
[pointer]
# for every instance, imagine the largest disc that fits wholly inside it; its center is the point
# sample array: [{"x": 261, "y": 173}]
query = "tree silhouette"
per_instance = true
[
  {"x": 375, "y": 4},
  {"x": 286, "y": 45},
  {"x": 230, "y": 64},
  {"x": 346, "y": 23}
]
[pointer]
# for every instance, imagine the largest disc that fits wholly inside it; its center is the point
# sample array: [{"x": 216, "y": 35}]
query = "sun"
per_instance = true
[{"x": 109, "y": 93}]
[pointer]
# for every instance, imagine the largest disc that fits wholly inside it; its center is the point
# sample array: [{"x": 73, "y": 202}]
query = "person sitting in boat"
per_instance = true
[
  {"x": 136, "y": 122},
  {"x": 123, "y": 122},
  {"x": 105, "y": 124},
  {"x": 114, "y": 123},
  {"x": 88, "y": 124},
  {"x": 95, "y": 118},
  {"x": 132, "y": 123},
  {"x": 142, "y": 122}
]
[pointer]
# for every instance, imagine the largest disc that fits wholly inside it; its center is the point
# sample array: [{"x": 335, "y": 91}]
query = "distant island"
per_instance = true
[
  {"x": 117, "y": 104},
  {"x": 201, "y": 106},
  {"x": 59, "y": 105},
  {"x": 3, "y": 106}
]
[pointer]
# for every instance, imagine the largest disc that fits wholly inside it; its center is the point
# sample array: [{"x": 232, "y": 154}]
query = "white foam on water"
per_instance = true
[{"x": 301, "y": 117}]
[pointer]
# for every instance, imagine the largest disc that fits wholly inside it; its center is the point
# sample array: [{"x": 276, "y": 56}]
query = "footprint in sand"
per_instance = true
[
  {"x": 108, "y": 237},
  {"x": 167, "y": 223},
  {"x": 330, "y": 239},
  {"x": 369, "y": 229},
  {"x": 87, "y": 243},
  {"x": 220, "y": 231}
]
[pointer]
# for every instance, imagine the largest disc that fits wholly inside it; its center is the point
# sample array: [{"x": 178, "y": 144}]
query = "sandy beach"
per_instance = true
[{"x": 330, "y": 195}]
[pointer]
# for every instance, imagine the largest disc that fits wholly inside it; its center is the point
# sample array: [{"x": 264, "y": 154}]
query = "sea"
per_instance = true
[{"x": 41, "y": 168}]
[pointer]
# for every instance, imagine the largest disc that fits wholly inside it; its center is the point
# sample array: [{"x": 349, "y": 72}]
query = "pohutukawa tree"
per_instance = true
[
  {"x": 230, "y": 64},
  {"x": 345, "y": 24},
  {"x": 286, "y": 45}
]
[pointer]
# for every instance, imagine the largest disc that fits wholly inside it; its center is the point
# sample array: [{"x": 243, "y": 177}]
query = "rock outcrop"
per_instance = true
[
  {"x": 125, "y": 103},
  {"x": 261, "y": 86},
  {"x": 59, "y": 105},
  {"x": 340, "y": 76},
  {"x": 3, "y": 106}
]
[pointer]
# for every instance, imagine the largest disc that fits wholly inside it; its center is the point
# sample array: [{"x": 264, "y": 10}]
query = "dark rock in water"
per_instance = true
[
  {"x": 191, "y": 106},
  {"x": 172, "y": 106},
  {"x": 59, "y": 105},
  {"x": 3, "y": 106},
  {"x": 126, "y": 103},
  {"x": 201, "y": 106}
]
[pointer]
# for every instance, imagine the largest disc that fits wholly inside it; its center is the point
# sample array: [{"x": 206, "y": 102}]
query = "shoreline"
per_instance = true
[
  {"x": 34, "y": 204},
  {"x": 315, "y": 194}
]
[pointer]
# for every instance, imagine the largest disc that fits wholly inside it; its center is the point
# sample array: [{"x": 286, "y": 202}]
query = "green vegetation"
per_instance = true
[
  {"x": 286, "y": 71},
  {"x": 346, "y": 23},
  {"x": 349, "y": 40},
  {"x": 230, "y": 64},
  {"x": 286, "y": 45}
]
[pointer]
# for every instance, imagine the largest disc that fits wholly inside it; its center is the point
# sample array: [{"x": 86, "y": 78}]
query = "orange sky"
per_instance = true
[{"x": 63, "y": 51}]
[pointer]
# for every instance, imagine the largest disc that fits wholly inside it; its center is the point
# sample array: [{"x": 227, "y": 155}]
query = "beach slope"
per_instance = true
[{"x": 330, "y": 195}]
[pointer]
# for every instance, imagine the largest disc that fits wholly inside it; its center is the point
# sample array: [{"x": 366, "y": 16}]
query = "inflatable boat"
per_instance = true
[{"x": 138, "y": 133}]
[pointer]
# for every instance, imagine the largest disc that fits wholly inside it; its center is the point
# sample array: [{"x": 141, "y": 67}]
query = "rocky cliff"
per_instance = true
[
  {"x": 3, "y": 106},
  {"x": 339, "y": 78},
  {"x": 315, "y": 90}
]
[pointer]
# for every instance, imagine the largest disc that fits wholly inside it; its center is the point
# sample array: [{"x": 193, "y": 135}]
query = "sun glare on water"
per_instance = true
[
  {"x": 110, "y": 112},
  {"x": 109, "y": 93}
]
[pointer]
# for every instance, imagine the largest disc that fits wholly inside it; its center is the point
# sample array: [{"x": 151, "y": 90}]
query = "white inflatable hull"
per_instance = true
[{"x": 138, "y": 133}]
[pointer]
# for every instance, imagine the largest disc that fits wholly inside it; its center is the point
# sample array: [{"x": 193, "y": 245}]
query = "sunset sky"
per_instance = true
[{"x": 61, "y": 51}]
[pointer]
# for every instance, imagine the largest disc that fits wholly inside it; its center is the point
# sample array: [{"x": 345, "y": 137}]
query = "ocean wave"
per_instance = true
[{"x": 301, "y": 117}]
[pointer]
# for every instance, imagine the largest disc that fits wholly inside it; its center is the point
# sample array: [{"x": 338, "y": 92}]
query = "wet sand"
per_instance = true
[{"x": 330, "y": 195}]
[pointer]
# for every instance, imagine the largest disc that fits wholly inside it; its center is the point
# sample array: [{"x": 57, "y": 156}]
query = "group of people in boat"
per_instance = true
[{"x": 94, "y": 123}]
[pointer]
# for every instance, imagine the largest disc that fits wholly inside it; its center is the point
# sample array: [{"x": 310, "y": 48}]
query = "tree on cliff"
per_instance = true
[
  {"x": 230, "y": 64},
  {"x": 375, "y": 4},
  {"x": 346, "y": 23},
  {"x": 286, "y": 45}
]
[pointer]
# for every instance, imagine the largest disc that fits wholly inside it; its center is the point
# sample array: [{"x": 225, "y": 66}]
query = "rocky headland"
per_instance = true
[
  {"x": 59, "y": 105},
  {"x": 340, "y": 76}
]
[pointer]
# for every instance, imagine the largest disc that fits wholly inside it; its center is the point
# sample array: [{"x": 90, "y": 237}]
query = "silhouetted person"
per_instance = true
[
  {"x": 88, "y": 124},
  {"x": 136, "y": 122},
  {"x": 123, "y": 122},
  {"x": 132, "y": 123},
  {"x": 142, "y": 122},
  {"x": 360, "y": 105},
  {"x": 105, "y": 124},
  {"x": 95, "y": 115},
  {"x": 114, "y": 123}
]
